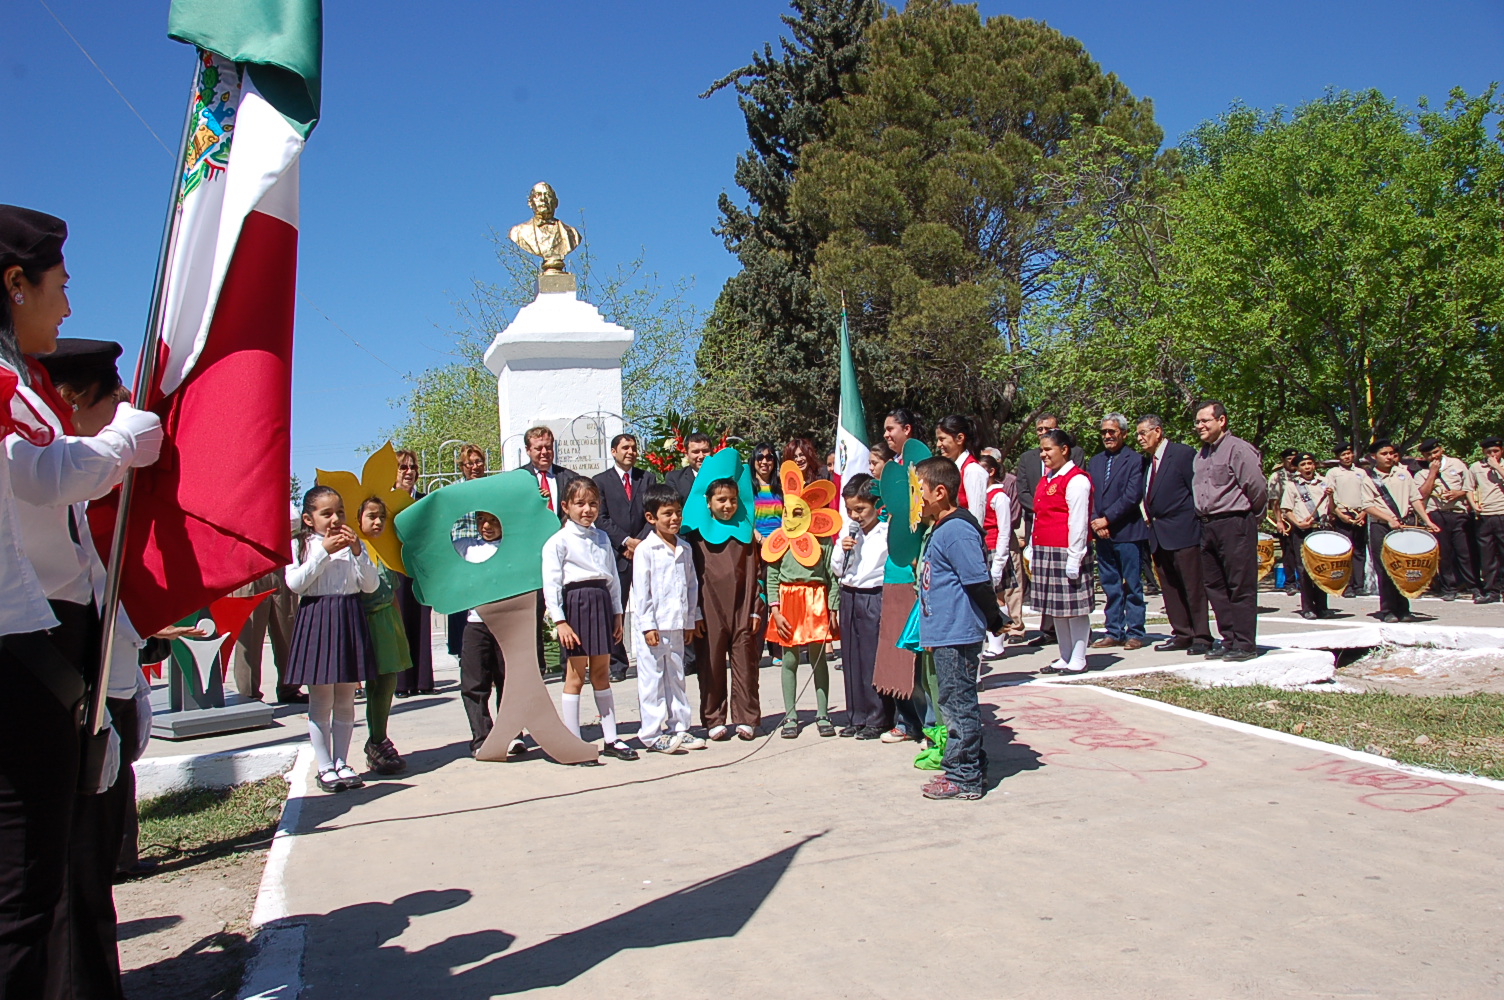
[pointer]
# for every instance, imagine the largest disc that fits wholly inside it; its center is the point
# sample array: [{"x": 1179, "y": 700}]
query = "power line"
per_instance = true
[
  {"x": 106, "y": 76},
  {"x": 307, "y": 301}
]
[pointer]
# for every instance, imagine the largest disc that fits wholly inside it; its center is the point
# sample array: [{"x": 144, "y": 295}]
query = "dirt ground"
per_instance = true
[
  {"x": 1427, "y": 671},
  {"x": 184, "y": 932}
]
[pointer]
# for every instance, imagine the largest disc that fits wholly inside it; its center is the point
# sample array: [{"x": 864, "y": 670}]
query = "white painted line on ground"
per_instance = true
[
  {"x": 271, "y": 897},
  {"x": 1319, "y": 623},
  {"x": 1291, "y": 738}
]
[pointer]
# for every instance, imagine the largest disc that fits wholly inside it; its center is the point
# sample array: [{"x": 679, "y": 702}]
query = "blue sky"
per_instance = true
[{"x": 437, "y": 118}]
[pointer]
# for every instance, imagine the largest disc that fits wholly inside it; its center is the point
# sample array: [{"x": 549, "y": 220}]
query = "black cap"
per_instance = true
[
  {"x": 1289, "y": 453},
  {"x": 82, "y": 363},
  {"x": 1304, "y": 456},
  {"x": 31, "y": 239}
]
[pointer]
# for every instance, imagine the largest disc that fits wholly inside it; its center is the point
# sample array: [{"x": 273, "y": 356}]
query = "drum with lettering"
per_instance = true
[
  {"x": 1411, "y": 557},
  {"x": 1266, "y": 554},
  {"x": 1328, "y": 558}
]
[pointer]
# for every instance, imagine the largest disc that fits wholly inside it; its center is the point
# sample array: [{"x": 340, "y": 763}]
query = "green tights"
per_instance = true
[
  {"x": 791, "y": 679},
  {"x": 379, "y": 694}
]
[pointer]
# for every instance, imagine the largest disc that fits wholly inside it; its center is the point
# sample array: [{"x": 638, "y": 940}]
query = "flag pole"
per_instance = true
[{"x": 146, "y": 371}]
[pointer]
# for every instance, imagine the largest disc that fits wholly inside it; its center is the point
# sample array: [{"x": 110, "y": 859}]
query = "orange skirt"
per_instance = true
[{"x": 803, "y": 604}]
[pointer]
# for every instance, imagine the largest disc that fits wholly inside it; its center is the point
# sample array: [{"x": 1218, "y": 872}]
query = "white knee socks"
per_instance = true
[
  {"x": 571, "y": 706},
  {"x": 344, "y": 720},
  {"x": 320, "y": 710},
  {"x": 605, "y": 703},
  {"x": 1072, "y": 634},
  {"x": 997, "y": 645}
]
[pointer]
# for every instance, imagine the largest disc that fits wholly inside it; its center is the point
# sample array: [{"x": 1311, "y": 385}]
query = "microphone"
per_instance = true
[{"x": 852, "y": 529}]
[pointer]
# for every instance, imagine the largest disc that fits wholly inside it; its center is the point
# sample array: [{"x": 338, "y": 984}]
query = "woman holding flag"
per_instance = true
[{"x": 50, "y": 651}]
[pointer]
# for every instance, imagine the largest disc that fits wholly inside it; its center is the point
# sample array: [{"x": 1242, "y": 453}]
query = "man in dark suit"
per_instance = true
[
  {"x": 1029, "y": 470},
  {"x": 1174, "y": 536},
  {"x": 622, "y": 489},
  {"x": 539, "y": 442},
  {"x": 697, "y": 449},
  {"x": 1117, "y": 526}
]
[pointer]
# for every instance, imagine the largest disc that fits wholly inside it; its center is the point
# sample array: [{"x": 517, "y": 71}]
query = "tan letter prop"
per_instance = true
[
  {"x": 377, "y": 479},
  {"x": 504, "y": 592}
]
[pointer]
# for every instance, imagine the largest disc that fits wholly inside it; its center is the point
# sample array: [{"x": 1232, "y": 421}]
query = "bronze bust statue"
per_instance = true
[{"x": 543, "y": 235}]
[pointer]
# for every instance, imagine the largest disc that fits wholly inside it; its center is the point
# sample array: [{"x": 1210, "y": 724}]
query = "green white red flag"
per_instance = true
[
  {"x": 852, "y": 455},
  {"x": 212, "y": 514}
]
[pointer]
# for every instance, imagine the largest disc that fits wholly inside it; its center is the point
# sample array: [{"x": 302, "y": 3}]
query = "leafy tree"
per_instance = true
[
  {"x": 767, "y": 366},
  {"x": 1345, "y": 263},
  {"x": 932, "y": 203},
  {"x": 456, "y": 400}
]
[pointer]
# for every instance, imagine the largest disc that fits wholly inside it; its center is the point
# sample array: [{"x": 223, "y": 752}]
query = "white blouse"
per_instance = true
[
  {"x": 320, "y": 574},
  {"x": 1002, "y": 509},
  {"x": 862, "y": 567},
  {"x": 577, "y": 554},
  {"x": 665, "y": 587},
  {"x": 23, "y": 602},
  {"x": 974, "y": 478},
  {"x": 48, "y": 480}
]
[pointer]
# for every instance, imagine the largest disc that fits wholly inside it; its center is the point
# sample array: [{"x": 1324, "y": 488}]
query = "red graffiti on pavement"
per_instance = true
[
  {"x": 1393, "y": 791},
  {"x": 1099, "y": 741}
]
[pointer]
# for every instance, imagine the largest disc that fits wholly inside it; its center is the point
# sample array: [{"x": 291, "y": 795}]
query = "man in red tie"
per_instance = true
[
  {"x": 622, "y": 488},
  {"x": 539, "y": 442}
]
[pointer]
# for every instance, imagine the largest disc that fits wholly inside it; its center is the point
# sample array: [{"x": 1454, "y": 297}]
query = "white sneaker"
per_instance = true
[
  {"x": 664, "y": 744},
  {"x": 689, "y": 741},
  {"x": 516, "y": 747}
]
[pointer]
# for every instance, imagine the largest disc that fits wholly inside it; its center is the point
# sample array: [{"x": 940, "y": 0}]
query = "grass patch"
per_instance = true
[
  {"x": 1463, "y": 733},
  {"x": 182, "y": 828}
]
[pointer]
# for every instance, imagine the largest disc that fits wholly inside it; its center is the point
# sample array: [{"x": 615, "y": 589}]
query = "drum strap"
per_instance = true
[
  {"x": 1305, "y": 498},
  {"x": 1389, "y": 499}
]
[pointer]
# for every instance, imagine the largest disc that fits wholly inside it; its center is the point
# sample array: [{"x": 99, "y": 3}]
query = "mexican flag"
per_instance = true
[
  {"x": 852, "y": 455},
  {"x": 212, "y": 514}
]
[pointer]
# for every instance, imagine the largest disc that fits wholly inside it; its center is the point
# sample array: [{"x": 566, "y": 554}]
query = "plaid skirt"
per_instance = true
[
  {"x": 1055, "y": 595},
  {"x": 587, "y": 609}
]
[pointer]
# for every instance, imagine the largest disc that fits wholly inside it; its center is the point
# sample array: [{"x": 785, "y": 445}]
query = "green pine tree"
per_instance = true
[{"x": 767, "y": 361}]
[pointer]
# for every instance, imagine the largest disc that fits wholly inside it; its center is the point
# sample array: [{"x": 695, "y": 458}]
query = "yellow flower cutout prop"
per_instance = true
[
  {"x": 377, "y": 479},
  {"x": 806, "y": 519}
]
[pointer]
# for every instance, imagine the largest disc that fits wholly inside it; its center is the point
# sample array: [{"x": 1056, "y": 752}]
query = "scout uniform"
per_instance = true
[
  {"x": 1455, "y": 572},
  {"x": 1487, "y": 485}
]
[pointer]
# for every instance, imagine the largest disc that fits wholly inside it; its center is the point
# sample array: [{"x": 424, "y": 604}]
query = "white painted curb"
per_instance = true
[
  {"x": 1291, "y": 738},
  {"x": 159, "y": 775},
  {"x": 271, "y": 897}
]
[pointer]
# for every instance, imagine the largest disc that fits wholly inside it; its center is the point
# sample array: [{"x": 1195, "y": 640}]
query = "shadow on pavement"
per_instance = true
[{"x": 717, "y": 907}]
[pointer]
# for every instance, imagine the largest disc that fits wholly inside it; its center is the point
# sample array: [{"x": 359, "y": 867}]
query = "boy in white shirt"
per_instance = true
[
  {"x": 665, "y": 612},
  {"x": 859, "y": 561}
]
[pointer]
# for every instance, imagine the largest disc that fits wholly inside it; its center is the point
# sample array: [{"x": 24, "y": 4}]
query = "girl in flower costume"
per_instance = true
[{"x": 803, "y": 594}]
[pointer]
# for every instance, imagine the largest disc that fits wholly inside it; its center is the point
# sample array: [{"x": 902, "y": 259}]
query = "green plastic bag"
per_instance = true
[{"x": 930, "y": 760}]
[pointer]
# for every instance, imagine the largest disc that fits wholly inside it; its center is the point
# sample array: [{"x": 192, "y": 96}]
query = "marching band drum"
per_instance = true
[
  {"x": 1328, "y": 558},
  {"x": 1266, "y": 554},
  {"x": 1411, "y": 557}
]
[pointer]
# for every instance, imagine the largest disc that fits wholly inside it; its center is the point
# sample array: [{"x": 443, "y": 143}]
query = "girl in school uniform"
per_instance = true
[
  {"x": 331, "y": 643},
  {"x": 1062, "y": 578},
  {"x": 389, "y": 642},
  {"x": 582, "y": 594},
  {"x": 956, "y": 439}
]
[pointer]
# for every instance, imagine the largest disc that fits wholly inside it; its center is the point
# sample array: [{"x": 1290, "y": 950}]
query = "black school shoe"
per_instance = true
[
  {"x": 849, "y": 731},
  {"x": 870, "y": 733},
  {"x": 620, "y": 751},
  {"x": 824, "y": 728},
  {"x": 1216, "y": 652},
  {"x": 1239, "y": 655}
]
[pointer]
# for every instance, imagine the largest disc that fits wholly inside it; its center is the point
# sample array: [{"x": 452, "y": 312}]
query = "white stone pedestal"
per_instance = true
[{"x": 559, "y": 364}]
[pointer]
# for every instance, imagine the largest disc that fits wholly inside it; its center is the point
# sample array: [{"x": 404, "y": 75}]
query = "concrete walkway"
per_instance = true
[{"x": 1123, "y": 852}]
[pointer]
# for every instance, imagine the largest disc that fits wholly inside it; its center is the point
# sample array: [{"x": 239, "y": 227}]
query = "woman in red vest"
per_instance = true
[{"x": 1057, "y": 562}]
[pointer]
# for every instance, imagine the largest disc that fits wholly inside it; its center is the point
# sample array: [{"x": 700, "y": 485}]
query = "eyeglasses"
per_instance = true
[
  {"x": 1204, "y": 420},
  {"x": 407, "y": 468},
  {"x": 1105, "y": 431}
]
